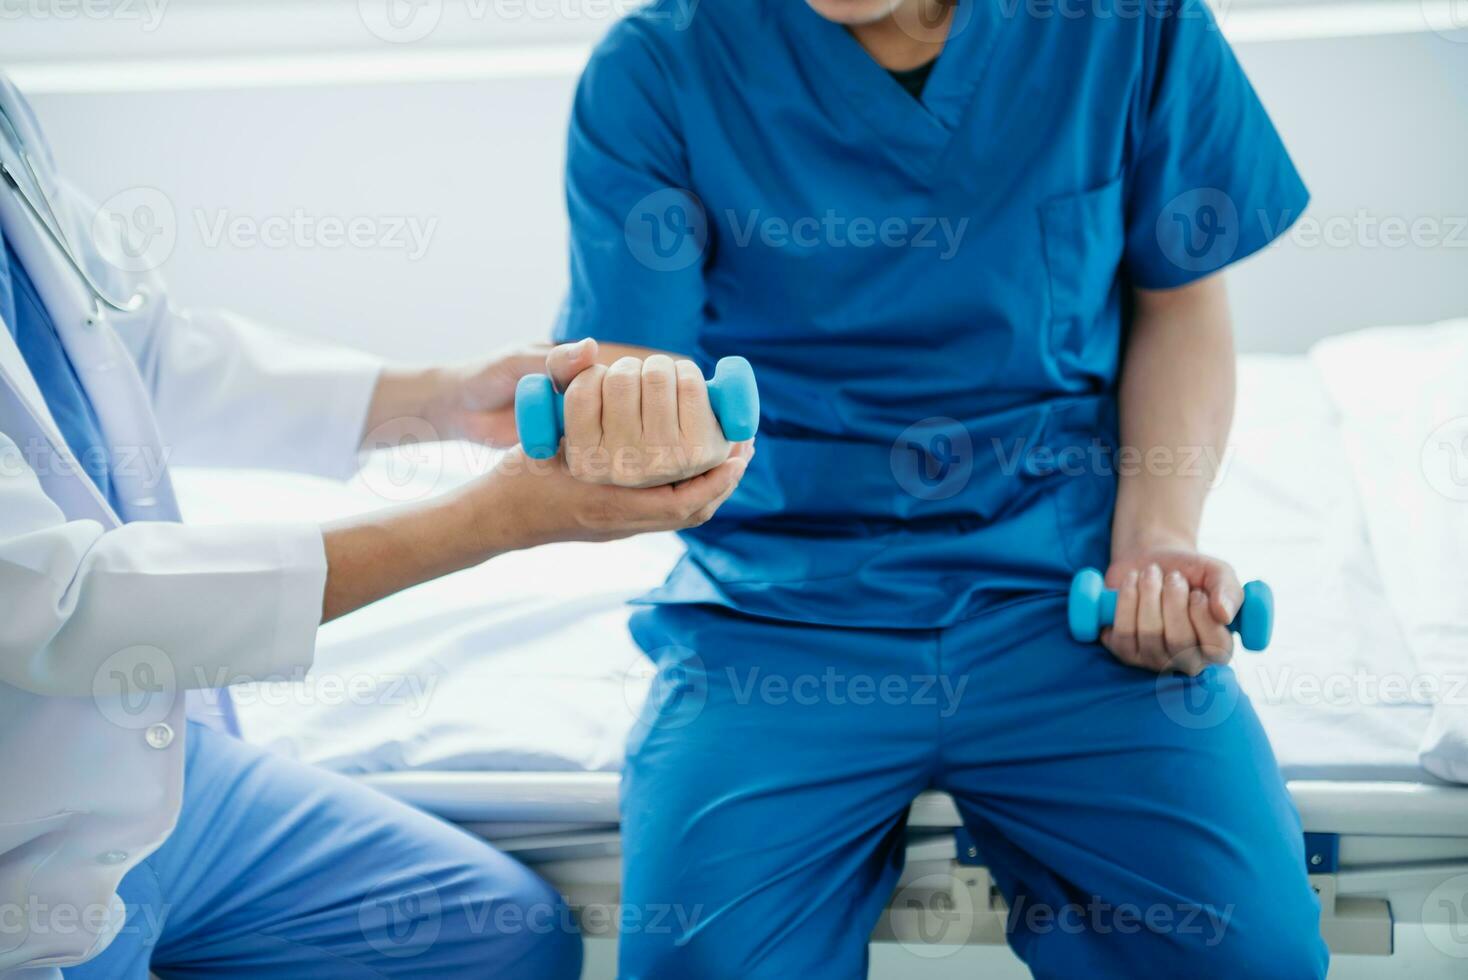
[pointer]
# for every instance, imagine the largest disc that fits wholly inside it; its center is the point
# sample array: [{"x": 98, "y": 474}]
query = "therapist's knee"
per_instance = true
[
  {"x": 511, "y": 925},
  {"x": 546, "y": 945}
]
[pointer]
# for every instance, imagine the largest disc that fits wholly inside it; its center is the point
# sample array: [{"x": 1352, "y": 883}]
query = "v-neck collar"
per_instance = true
[{"x": 916, "y": 132}]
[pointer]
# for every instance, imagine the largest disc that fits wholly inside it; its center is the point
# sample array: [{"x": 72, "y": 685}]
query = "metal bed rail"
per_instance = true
[{"x": 1378, "y": 853}]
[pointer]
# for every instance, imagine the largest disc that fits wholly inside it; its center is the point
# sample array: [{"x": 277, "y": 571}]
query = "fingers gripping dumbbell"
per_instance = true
[
  {"x": 1092, "y": 608},
  {"x": 540, "y": 410}
]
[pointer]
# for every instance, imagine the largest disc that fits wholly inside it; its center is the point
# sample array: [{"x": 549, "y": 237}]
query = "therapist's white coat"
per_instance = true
[{"x": 101, "y": 623}]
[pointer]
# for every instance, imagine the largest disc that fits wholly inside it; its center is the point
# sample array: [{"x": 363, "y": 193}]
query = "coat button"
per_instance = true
[
  {"x": 159, "y": 736},
  {"x": 112, "y": 857}
]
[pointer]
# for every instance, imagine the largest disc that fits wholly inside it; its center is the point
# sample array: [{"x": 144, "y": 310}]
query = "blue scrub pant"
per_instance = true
[
  {"x": 280, "y": 870},
  {"x": 1137, "y": 825}
]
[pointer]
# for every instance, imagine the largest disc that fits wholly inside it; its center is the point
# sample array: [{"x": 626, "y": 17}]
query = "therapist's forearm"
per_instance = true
[
  {"x": 521, "y": 503},
  {"x": 1176, "y": 404},
  {"x": 377, "y": 554},
  {"x": 402, "y": 398}
]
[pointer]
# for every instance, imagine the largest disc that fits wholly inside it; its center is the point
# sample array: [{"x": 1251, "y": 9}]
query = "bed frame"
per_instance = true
[{"x": 1375, "y": 852}]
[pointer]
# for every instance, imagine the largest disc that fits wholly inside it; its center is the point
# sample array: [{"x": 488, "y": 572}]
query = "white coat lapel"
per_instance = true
[
  {"x": 25, "y": 419},
  {"x": 12, "y": 364},
  {"x": 102, "y": 363}
]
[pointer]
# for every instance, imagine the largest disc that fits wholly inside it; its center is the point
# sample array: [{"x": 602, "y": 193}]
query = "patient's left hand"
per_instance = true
[{"x": 1173, "y": 607}]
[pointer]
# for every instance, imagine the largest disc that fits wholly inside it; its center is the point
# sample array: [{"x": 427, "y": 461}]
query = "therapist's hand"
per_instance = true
[
  {"x": 521, "y": 503},
  {"x": 532, "y": 502},
  {"x": 1173, "y": 607},
  {"x": 473, "y": 401},
  {"x": 642, "y": 422}
]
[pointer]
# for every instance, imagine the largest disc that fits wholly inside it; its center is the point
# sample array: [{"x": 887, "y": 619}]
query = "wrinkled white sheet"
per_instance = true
[
  {"x": 525, "y": 663},
  {"x": 1403, "y": 398},
  {"x": 521, "y": 664}
]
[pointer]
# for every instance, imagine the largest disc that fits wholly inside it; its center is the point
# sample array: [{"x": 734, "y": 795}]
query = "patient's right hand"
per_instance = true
[
  {"x": 523, "y": 502},
  {"x": 643, "y": 422}
]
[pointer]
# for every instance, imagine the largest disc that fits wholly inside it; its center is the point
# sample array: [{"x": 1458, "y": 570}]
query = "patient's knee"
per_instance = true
[
  {"x": 1197, "y": 942},
  {"x": 1280, "y": 945},
  {"x": 1295, "y": 957}
]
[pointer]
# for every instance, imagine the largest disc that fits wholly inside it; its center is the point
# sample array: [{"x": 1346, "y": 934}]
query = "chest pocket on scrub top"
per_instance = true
[{"x": 1084, "y": 235}]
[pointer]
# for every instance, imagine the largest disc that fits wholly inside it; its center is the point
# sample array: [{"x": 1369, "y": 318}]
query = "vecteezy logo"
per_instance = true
[
  {"x": 1448, "y": 18},
  {"x": 1445, "y": 459},
  {"x": 924, "y": 21},
  {"x": 667, "y": 689},
  {"x": 406, "y": 460},
  {"x": 1199, "y": 230},
  {"x": 135, "y": 687},
  {"x": 400, "y": 21},
  {"x": 933, "y": 459},
  {"x": 1445, "y": 917},
  {"x": 667, "y": 230},
  {"x": 401, "y": 916},
  {"x": 1196, "y": 703},
  {"x": 135, "y": 229},
  {"x": 932, "y": 916}
]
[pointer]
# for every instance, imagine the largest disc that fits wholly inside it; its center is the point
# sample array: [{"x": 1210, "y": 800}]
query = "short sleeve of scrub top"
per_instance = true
[
  {"x": 1211, "y": 182},
  {"x": 638, "y": 234}
]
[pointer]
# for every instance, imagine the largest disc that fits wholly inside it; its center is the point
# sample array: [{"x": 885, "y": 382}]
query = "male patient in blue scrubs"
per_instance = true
[{"x": 973, "y": 252}]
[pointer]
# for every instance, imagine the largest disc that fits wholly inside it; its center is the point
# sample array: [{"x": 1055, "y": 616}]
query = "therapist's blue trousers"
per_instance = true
[
  {"x": 280, "y": 870},
  {"x": 1137, "y": 825}
]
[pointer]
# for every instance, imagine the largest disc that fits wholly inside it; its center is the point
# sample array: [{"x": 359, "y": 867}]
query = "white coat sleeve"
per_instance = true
[
  {"x": 214, "y": 604},
  {"x": 229, "y": 392}
]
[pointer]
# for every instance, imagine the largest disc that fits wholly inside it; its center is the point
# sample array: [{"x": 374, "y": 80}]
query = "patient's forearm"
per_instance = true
[{"x": 1176, "y": 402}]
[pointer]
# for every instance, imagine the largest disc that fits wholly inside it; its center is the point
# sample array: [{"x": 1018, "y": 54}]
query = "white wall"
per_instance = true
[
  {"x": 481, "y": 159},
  {"x": 1377, "y": 124}
]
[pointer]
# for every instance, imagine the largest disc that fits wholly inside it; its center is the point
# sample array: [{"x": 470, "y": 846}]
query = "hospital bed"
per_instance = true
[{"x": 499, "y": 698}]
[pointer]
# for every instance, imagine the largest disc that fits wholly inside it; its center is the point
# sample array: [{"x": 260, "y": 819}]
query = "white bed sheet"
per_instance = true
[
  {"x": 525, "y": 663},
  {"x": 1286, "y": 510},
  {"x": 521, "y": 664},
  {"x": 1403, "y": 396}
]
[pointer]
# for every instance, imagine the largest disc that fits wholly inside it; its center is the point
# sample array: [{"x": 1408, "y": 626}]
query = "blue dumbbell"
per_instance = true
[
  {"x": 540, "y": 410},
  {"x": 1092, "y": 608}
]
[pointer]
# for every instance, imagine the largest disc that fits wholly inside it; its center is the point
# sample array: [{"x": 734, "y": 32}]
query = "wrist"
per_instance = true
[
  {"x": 499, "y": 519},
  {"x": 407, "y": 397},
  {"x": 1138, "y": 539}
]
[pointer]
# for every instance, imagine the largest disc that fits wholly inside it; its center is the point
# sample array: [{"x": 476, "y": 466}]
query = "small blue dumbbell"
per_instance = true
[
  {"x": 540, "y": 410},
  {"x": 1092, "y": 608}
]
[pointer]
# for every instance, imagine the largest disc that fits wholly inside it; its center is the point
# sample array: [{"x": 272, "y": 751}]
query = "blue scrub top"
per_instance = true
[
  {"x": 934, "y": 293},
  {"x": 41, "y": 347}
]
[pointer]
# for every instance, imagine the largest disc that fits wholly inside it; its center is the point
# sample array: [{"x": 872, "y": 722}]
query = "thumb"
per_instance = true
[
  {"x": 568, "y": 360},
  {"x": 1224, "y": 590}
]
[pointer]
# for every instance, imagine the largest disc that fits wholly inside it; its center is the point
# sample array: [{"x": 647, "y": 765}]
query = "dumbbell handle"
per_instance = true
[
  {"x": 1092, "y": 608},
  {"x": 540, "y": 410}
]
